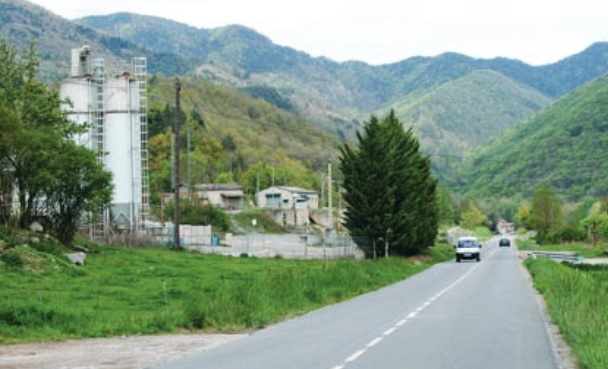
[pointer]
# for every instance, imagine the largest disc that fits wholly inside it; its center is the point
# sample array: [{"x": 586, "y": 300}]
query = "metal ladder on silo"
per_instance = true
[
  {"x": 141, "y": 74},
  {"x": 101, "y": 221}
]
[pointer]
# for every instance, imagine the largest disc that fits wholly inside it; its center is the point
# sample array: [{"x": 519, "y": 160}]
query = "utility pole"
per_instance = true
[
  {"x": 322, "y": 202},
  {"x": 189, "y": 167},
  {"x": 329, "y": 193},
  {"x": 178, "y": 87},
  {"x": 273, "y": 198}
]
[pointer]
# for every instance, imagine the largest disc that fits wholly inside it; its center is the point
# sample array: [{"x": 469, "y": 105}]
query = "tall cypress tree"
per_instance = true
[{"x": 389, "y": 190}]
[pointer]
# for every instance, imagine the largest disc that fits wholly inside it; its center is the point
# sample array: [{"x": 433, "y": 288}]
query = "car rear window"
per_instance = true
[{"x": 468, "y": 243}]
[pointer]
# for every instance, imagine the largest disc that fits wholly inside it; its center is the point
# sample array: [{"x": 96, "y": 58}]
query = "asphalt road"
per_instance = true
[{"x": 454, "y": 315}]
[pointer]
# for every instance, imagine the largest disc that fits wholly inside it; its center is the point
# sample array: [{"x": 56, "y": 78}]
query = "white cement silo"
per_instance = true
[
  {"x": 112, "y": 103},
  {"x": 78, "y": 91},
  {"x": 123, "y": 147}
]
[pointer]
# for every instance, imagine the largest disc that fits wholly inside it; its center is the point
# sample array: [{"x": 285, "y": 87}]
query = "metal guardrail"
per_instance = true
[{"x": 557, "y": 256}]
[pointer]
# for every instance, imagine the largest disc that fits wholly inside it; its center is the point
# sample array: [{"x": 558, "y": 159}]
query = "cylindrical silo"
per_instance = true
[
  {"x": 78, "y": 91},
  {"x": 122, "y": 146}
]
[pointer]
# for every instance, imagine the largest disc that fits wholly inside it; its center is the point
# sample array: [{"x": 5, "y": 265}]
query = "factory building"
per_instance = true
[{"x": 111, "y": 101}]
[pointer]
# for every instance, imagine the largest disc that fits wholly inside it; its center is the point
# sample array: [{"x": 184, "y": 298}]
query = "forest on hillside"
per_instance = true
[
  {"x": 229, "y": 137},
  {"x": 563, "y": 148}
]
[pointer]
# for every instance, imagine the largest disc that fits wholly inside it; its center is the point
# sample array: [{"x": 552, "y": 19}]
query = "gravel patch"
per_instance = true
[{"x": 131, "y": 352}]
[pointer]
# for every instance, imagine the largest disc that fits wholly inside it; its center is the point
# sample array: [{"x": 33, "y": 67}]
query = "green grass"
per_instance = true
[
  {"x": 483, "y": 233},
  {"x": 584, "y": 250},
  {"x": 577, "y": 300},
  {"x": 125, "y": 291},
  {"x": 264, "y": 223}
]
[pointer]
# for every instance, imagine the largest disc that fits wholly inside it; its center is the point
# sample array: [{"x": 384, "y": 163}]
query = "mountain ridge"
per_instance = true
[
  {"x": 458, "y": 93},
  {"x": 356, "y": 89}
]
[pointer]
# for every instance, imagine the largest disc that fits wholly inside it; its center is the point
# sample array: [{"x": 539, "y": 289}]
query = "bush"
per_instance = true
[
  {"x": 566, "y": 234},
  {"x": 194, "y": 214}
]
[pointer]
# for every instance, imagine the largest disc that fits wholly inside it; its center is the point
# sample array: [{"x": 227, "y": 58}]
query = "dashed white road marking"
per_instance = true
[
  {"x": 374, "y": 342},
  {"x": 355, "y": 356},
  {"x": 411, "y": 315}
]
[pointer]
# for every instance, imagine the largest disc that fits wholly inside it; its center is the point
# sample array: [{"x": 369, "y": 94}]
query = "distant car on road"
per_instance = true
[
  {"x": 468, "y": 248},
  {"x": 504, "y": 242}
]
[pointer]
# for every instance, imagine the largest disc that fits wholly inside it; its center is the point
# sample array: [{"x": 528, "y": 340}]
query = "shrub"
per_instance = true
[
  {"x": 194, "y": 214},
  {"x": 566, "y": 234}
]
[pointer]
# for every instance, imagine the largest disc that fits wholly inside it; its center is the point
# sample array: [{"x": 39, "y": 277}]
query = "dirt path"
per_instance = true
[{"x": 136, "y": 352}]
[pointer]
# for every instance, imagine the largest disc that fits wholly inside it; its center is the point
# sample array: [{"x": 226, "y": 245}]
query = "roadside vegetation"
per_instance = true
[
  {"x": 576, "y": 298},
  {"x": 575, "y": 294},
  {"x": 579, "y": 249},
  {"x": 128, "y": 291}
]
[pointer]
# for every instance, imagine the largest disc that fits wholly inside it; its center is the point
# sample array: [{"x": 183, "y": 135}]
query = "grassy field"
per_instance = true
[{"x": 127, "y": 291}]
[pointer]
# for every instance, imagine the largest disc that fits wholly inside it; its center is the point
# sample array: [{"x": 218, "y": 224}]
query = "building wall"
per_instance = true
[{"x": 286, "y": 198}]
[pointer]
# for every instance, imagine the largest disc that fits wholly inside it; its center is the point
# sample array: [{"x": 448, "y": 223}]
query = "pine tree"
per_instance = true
[{"x": 389, "y": 190}]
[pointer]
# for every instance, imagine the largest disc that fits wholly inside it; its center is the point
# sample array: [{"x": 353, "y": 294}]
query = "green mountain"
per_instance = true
[
  {"x": 22, "y": 22},
  {"x": 232, "y": 138},
  {"x": 467, "y": 111},
  {"x": 563, "y": 147}
]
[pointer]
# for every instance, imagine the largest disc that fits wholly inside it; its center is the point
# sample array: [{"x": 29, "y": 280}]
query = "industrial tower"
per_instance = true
[{"x": 111, "y": 101}]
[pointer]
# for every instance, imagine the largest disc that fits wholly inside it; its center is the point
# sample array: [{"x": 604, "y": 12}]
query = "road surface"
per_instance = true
[{"x": 454, "y": 315}]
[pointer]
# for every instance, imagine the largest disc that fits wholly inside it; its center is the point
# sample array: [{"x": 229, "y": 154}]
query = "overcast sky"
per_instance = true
[{"x": 385, "y": 31}]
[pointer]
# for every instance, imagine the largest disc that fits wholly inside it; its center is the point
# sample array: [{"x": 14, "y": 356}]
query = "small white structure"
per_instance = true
[
  {"x": 287, "y": 198},
  {"x": 111, "y": 101}
]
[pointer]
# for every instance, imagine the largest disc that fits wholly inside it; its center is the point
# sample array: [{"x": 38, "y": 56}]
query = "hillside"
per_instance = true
[
  {"x": 563, "y": 147},
  {"x": 462, "y": 113},
  {"x": 22, "y": 22},
  {"x": 234, "y": 138}
]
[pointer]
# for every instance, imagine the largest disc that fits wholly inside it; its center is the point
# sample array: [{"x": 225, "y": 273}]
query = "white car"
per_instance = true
[{"x": 468, "y": 248}]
